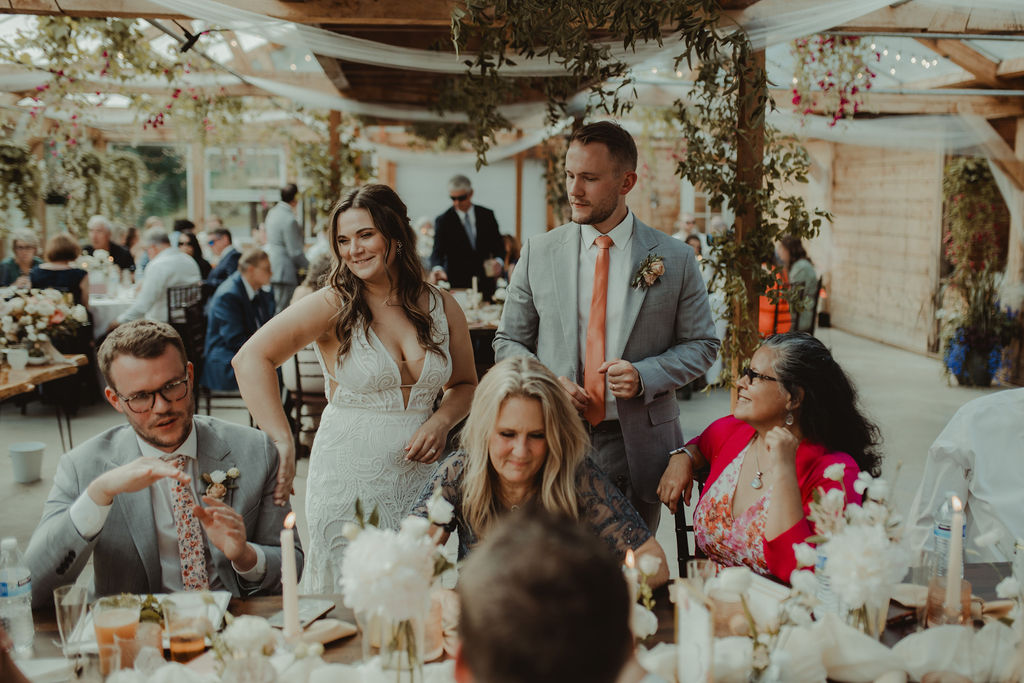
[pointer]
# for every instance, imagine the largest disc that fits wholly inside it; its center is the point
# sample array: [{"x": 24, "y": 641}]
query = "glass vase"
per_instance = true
[
  {"x": 870, "y": 617},
  {"x": 398, "y": 643}
]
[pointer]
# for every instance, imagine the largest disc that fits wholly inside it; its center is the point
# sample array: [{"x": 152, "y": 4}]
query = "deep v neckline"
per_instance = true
[
  {"x": 757, "y": 500},
  {"x": 397, "y": 368}
]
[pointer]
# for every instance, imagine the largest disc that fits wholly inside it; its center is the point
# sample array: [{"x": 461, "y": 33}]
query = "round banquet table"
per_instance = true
[{"x": 104, "y": 311}]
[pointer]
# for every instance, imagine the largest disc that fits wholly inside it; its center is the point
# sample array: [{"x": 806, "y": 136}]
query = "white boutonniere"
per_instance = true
[
  {"x": 651, "y": 268},
  {"x": 219, "y": 482}
]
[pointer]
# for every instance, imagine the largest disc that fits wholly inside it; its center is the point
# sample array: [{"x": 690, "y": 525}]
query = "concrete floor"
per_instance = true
[{"x": 906, "y": 394}]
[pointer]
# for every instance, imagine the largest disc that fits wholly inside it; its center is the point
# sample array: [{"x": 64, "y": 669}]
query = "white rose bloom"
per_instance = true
[
  {"x": 878, "y": 490},
  {"x": 863, "y": 481},
  {"x": 735, "y": 580},
  {"x": 643, "y": 623},
  {"x": 249, "y": 634},
  {"x": 501, "y": 283},
  {"x": 439, "y": 510},
  {"x": 350, "y": 531},
  {"x": 863, "y": 562},
  {"x": 31, "y": 336},
  {"x": 499, "y": 295},
  {"x": 648, "y": 564},
  {"x": 101, "y": 254},
  {"x": 1008, "y": 588},
  {"x": 804, "y": 582},
  {"x": 234, "y": 473},
  {"x": 414, "y": 527},
  {"x": 80, "y": 314},
  {"x": 218, "y": 476},
  {"x": 835, "y": 471},
  {"x": 806, "y": 556},
  {"x": 388, "y": 571}
]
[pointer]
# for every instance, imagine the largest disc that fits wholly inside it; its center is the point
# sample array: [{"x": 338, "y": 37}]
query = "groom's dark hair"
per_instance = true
[
  {"x": 542, "y": 600},
  {"x": 140, "y": 339},
  {"x": 617, "y": 139}
]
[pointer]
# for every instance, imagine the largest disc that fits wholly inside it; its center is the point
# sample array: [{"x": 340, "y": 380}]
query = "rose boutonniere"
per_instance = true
[
  {"x": 651, "y": 268},
  {"x": 219, "y": 482}
]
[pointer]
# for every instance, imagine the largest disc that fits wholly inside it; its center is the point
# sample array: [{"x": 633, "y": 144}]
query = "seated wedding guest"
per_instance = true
[
  {"x": 189, "y": 244},
  {"x": 14, "y": 270},
  {"x": 976, "y": 457},
  {"x": 219, "y": 241},
  {"x": 129, "y": 497},
  {"x": 512, "y": 251},
  {"x": 802, "y": 277},
  {"x": 59, "y": 271},
  {"x": 523, "y": 445},
  {"x": 542, "y": 601},
  {"x": 796, "y": 415},
  {"x": 100, "y": 238},
  {"x": 167, "y": 267},
  {"x": 238, "y": 308},
  {"x": 131, "y": 238}
]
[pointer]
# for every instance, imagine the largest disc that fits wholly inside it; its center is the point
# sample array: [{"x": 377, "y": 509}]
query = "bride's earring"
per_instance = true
[{"x": 789, "y": 419}]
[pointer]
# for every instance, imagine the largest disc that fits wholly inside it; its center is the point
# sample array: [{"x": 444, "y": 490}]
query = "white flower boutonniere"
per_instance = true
[
  {"x": 219, "y": 482},
  {"x": 651, "y": 268}
]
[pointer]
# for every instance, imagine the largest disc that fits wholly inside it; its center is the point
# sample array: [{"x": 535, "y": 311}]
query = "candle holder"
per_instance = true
[{"x": 938, "y": 613}]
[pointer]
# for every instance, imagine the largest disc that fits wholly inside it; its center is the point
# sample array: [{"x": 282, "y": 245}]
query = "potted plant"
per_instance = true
[{"x": 979, "y": 330}]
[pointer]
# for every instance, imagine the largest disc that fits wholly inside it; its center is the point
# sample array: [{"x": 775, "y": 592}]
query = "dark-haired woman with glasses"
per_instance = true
[{"x": 796, "y": 415}]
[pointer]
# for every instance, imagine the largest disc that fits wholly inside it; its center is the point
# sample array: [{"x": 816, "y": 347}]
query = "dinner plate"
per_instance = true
[{"x": 83, "y": 638}]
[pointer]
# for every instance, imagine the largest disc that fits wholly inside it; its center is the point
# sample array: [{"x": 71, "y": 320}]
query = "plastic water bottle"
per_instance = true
[
  {"x": 941, "y": 536},
  {"x": 828, "y": 601},
  {"x": 16, "y": 597}
]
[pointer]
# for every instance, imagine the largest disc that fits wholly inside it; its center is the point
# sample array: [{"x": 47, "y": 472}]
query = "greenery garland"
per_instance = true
[
  {"x": 500, "y": 30},
  {"x": 326, "y": 177},
  {"x": 123, "y": 177},
  {"x": 82, "y": 170},
  {"x": 19, "y": 182}
]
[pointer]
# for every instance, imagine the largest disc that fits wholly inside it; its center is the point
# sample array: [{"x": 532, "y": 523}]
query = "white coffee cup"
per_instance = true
[{"x": 18, "y": 358}]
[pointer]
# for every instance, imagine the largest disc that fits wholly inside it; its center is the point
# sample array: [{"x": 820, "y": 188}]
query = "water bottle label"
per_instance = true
[{"x": 16, "y": 589}]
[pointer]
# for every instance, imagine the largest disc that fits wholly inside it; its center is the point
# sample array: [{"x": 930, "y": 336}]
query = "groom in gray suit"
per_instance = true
[
  {"x": 117, "y": 497},
  {"x": 618, "y": 310}
]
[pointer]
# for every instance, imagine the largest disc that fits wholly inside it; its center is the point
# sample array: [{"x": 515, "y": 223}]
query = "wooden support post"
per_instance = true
[
  {"x": 749, "y": 155},
  {"x": 334, "y": 151},
  {"x": 197, "y": 190},
  {"x": 519, "y": 196}
]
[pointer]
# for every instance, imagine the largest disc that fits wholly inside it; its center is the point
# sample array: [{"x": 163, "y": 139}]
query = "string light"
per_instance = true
[
  {"x": 898, "y": 56},
  {"x": 913, "y": 60},
  {"x": 872, "y": 46},
  {"x": 892, "y": 72},
  {"x": 935, "y": 62},
  {"x": 234, "y": 43},
  {"x": 654, "y": 69},
  {"x": 885, "y": 52},
  {"x": 860, "y": 75},
  {"x": 293, "y": 67},
  {"x": 679, "y": 74},
  {"x": 795, "y": 80},
  {"x": 309, "y": 58}
]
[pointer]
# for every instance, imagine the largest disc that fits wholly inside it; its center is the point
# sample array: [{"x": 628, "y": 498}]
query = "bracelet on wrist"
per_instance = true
[{"x": 689, "y": 454}]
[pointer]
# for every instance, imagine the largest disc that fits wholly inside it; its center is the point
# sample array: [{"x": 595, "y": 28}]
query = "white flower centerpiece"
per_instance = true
[
  {"x": 386, "y": 579},
  {"x": 34, "y": 317},
  {"x": 864, "y": 558}
]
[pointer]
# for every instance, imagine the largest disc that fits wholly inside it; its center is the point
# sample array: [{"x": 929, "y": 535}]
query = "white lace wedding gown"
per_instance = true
[{"x": 358, "y": 449}]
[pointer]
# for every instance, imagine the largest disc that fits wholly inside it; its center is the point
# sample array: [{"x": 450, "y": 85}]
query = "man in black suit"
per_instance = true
[
  {"x": 467, "y": 243},
  {"x": 227, "y": 256},
  {"x": 238, "y": 308}
]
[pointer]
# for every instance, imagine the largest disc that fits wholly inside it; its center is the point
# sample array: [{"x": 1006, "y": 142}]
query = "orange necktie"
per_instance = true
[{"x": 593, "y": 381}]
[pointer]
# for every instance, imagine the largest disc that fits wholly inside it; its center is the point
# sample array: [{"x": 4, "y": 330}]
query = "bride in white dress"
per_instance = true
[{"x": 389, "y": 344}]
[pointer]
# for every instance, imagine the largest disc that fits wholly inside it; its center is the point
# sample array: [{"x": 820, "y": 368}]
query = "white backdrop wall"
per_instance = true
[{"x": 424, "y": 188}]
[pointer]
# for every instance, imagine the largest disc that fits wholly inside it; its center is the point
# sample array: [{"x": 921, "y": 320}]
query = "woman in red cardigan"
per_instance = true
[{"x": 796, "y": 414}]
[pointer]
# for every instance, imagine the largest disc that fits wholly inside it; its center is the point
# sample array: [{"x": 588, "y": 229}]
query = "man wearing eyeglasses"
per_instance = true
[
  {"x": 129, "y": 497},
  {"x": 467, "y": 243}
]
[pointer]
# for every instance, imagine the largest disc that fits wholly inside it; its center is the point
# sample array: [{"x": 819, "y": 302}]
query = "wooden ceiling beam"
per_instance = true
[
  {"x": 1011, "y": 68},
  {"x": 987, "y": 106},
  {"x": 914, "y": 18},
  {"x": 967, "y": 58},
  {"x": 337, "y": 12},
  {"x": 999, "y": 151}
]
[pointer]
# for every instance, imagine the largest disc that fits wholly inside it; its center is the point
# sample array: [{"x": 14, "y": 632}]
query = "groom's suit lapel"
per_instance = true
[
  {"x": 565, "y": 266},
  {"x": 641, "y": 246}
]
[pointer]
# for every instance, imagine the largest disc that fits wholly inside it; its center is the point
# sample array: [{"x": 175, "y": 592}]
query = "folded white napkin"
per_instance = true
[
  {"x": 985, "y": 655},
  {"x": 851, "y": 656},
  {"x": 46, "y": 669}
]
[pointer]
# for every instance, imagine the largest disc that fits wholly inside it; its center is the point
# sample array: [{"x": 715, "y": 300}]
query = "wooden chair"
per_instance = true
[
  {"x": 684, "y": 529},
  {"x": 304, "y": 382}
]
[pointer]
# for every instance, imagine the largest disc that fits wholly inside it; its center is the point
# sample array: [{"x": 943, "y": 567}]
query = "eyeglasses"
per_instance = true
[
  {"x": 144, "y": 400},
  {"x": 751, "y": 375},
  {"x": 24, "y": 247},
  {"x": 460, "y": 197}
]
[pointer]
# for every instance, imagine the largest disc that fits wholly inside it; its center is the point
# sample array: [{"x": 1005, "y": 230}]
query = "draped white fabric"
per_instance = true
[{"x": 770, "y": 22}]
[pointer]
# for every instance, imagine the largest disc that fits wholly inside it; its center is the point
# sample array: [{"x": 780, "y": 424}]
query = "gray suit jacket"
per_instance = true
[
  {"x": 285, "y": 245},
  {"x": 125, "y": 553},
  {"x": 670, "y": 335}
]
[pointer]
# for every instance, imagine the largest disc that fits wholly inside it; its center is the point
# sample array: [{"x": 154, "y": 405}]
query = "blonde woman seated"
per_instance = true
[{"x": 524, "y": 446}]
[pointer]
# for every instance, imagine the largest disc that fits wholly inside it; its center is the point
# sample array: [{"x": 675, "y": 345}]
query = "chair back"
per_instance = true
[
  {"x": 684, "y": 529},
  {"x": 185, "y": 314}
]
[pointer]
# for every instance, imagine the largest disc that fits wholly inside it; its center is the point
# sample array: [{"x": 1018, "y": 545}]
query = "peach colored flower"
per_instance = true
[{"x": 216, "y": 491}]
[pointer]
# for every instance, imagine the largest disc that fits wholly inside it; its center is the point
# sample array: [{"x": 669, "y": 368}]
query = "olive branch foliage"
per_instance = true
[{"x": 578, "y": 34}]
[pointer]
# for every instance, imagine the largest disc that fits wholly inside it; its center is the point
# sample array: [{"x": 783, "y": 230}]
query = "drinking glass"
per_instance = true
[
  {"x": 699, "y": 571},
  {"x": 145, "y": 646},
  {"x": 94, "y": 667},
  {"x": 69, "y": 603},
  {"x": 115, "y": 615},
  {"x": 17, "y": 357},
  {"x": 187, "y": 622}
]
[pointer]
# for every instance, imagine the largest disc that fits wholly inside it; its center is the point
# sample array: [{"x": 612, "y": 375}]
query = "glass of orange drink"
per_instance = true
[
  {"x": 187, "y": 622},
  {"x": 115, "y": 615}
]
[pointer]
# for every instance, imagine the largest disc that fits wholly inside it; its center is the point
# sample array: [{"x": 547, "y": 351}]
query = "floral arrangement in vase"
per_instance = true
[
  {"x": 387, "y": 577},
  {"x": 861, "y": 544},
  {"x": 34, "y": 317}
]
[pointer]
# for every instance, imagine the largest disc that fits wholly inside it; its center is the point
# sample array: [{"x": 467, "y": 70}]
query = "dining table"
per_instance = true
[
  {"x": 25, "y": 380},
  {"x": 982, "y": 576}
]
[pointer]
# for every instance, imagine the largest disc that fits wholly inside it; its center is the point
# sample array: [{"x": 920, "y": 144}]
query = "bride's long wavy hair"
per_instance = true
[
  {"x": 521, "y": 377},
  {"x": 391, "y": 218}
]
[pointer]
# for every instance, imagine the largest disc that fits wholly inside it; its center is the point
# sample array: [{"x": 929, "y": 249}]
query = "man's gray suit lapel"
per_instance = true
[
  {"x": 643, "y": 244},
  {"x": 565, "y": 266},
  {"x": 137, "y": 508}
]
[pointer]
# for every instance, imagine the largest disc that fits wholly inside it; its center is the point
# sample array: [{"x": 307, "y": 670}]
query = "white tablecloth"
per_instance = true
[{"x": 104, "y": 311}]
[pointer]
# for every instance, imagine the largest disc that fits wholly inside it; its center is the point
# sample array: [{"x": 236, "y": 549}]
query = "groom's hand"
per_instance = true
[
  {"x": 623, "y": 379},
  {"x": 577, "y": 394}
]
